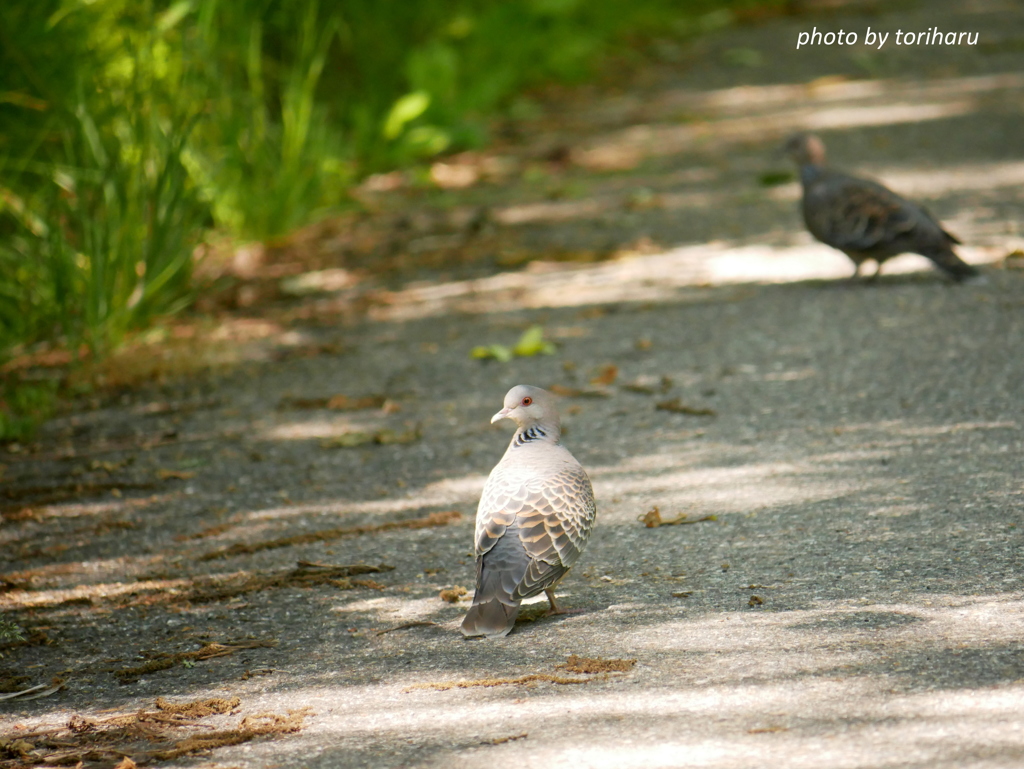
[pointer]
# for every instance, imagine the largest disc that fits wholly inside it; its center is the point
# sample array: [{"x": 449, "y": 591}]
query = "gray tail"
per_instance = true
[
  {"x": 493, "y": 619},
  {"x": 953, "y": 265},
  {"x": 499, "y": 572}
]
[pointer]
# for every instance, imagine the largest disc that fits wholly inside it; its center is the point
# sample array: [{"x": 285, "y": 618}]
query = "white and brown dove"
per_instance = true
[
  {"x": 865, "y": 220},
  {"x": 534, "y": 518}
]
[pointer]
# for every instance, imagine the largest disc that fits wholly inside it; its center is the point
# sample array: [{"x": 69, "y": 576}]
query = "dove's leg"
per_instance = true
[
  {"x": 554, "y": 611},
  {"x": 550, "y": 593},
  {"x": 858, "y": 262}
]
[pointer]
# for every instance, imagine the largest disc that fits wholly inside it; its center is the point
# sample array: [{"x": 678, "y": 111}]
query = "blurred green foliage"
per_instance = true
[
  {"x": 99, "y": 212},
  {"x": 23, "y": 405},
  {"x": 130, "y": 127}
]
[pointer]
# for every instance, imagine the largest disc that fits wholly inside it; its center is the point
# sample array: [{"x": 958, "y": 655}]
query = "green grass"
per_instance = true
[
  {"x": 100, "y": 214},
  {"x": 23, "y": 405}
]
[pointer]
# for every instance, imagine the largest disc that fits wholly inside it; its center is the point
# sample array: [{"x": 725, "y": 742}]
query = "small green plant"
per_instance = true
[
  {"x": 531, "y": 343},
  {"x": 23, "y": 406},
  {"x": 10, "y": 632}
]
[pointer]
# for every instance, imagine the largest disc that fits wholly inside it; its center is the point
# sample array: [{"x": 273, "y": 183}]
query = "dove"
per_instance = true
[
  {"x": 535, "y": 516},
  {"x": 865, "y": 220}
]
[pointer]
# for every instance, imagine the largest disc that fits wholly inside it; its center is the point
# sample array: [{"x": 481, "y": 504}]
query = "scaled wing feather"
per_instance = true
[{"x": 552, "y": 516}]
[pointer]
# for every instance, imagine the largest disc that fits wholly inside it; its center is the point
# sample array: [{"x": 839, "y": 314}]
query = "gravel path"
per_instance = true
[{"x": 855, "y": 600}]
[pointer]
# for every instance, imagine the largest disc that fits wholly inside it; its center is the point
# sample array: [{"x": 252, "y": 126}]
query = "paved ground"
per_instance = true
[{"x": 857, "y": 601}]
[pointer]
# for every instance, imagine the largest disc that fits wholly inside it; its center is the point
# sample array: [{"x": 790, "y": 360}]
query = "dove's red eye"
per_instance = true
[{"x": 527, "y": 401}]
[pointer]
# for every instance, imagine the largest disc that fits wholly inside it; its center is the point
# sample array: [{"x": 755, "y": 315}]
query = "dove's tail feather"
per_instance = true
[
  {"x": 493, "y": 619},
  {"x": 951, "y": 264},
  {"x": 499, "y": 573}
]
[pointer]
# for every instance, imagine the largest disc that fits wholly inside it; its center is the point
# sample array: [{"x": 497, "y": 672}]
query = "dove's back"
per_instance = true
[{"x": 534, "y": 519}]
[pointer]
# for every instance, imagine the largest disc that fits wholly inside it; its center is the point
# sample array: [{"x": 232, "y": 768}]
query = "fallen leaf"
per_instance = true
[
  {"x": 453, "y": 594},
  {"x": 372, "y": 584},
  {"x": 577, "y": 392},
  {"x": 406, "y": 626},
  {"x": 591, "y": 665},
  {"x": 327, "y": 535},
  {"x": 649, "y": 385},
  {"x": 503, "y": 740},
  {"x": 488, "y": 682},
  {"x": 652, "y": 519},
  {"x": 676, "y": 406},
  {"x": 21, "y": 747},
  {"x": 346, "y": 403},
  {"x": 146, "y": 734},
  {"x": 454, "y": 176},
  {"x": 607, "y": 375},
  {"x": 181, "y": 475},
  {"x": 211, "y": 706},
  {"x": 167, "y": 660}
]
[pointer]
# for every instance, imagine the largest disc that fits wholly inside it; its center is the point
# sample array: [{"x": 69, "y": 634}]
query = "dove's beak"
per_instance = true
[{"x": 503, "y": 414}]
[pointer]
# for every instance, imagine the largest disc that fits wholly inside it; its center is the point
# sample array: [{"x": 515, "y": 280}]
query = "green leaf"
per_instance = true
[
  {"x": 532, "y": 342},
  {"x": 426, "y": 141},
  {"x": 497, "y": 351},
  {"x": 406, "y": 109},
  {"x": 169, "y": 18}
]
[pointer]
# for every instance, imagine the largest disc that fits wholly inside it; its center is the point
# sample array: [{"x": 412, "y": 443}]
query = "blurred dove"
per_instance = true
[
  {"x": 865, "y": 220},
  {"x": 534, "y": 518}
]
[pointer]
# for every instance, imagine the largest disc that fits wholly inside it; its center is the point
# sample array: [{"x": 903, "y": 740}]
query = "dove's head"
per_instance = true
[
  {"x": 805, "y": 150},
  {"x": 529, "y": 406}
]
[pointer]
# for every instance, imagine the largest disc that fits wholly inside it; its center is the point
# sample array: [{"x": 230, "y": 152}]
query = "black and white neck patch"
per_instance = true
[{"x": 532, "y": 434}]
